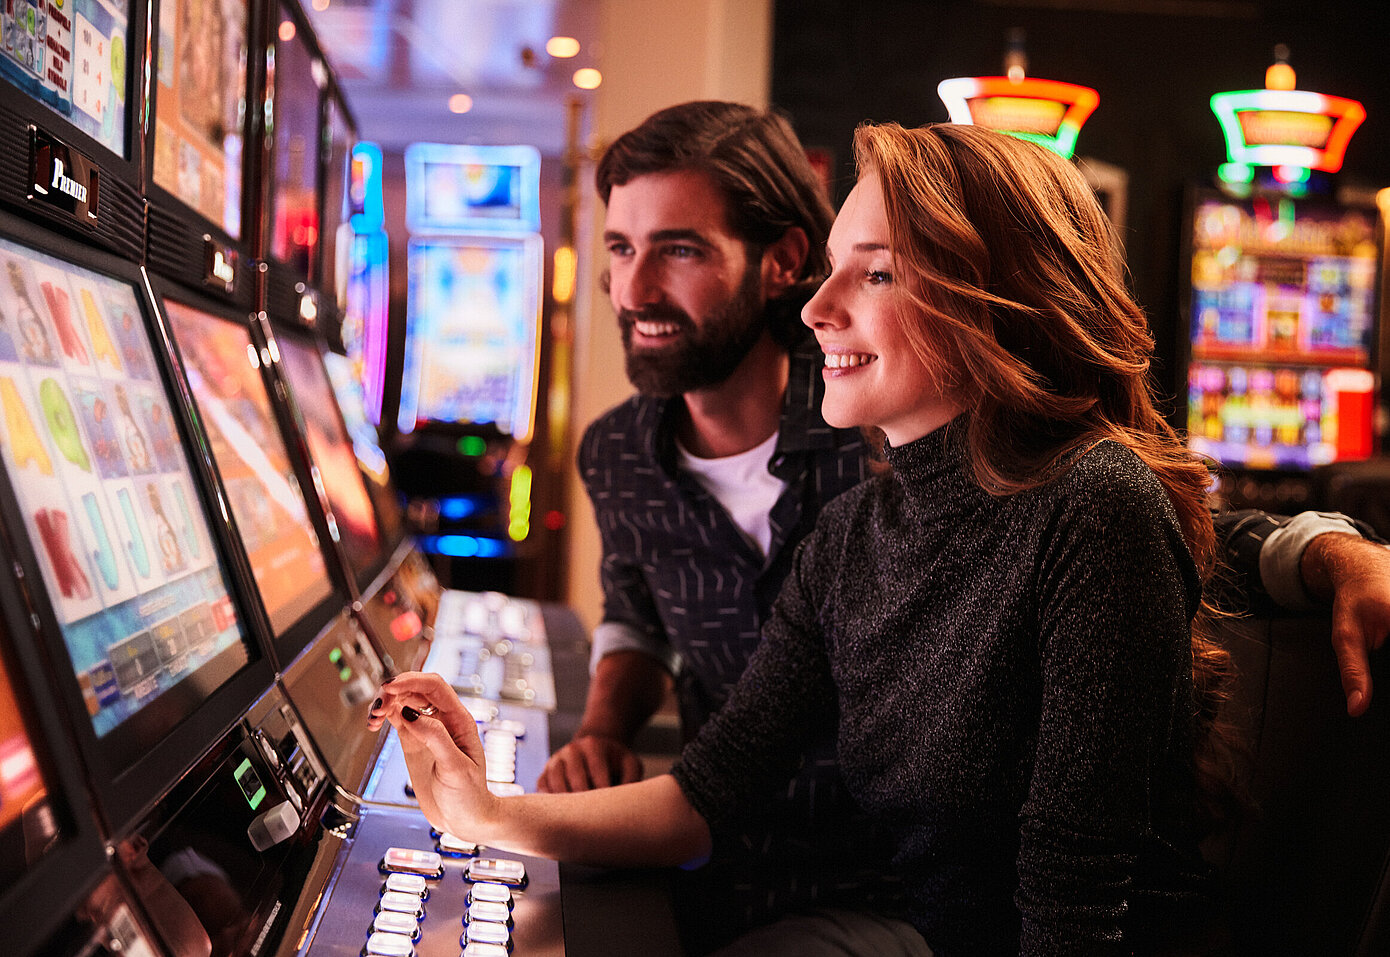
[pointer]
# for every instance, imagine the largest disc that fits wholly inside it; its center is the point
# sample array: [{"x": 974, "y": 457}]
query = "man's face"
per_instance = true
[{"x": 689, "y": 301}]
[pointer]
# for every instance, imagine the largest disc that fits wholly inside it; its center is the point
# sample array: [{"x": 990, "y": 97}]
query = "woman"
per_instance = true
[{"x": 1000, "y": 627}]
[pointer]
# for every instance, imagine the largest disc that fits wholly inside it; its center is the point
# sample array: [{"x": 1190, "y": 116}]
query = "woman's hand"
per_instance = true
[{"x": 443, "y": 753}]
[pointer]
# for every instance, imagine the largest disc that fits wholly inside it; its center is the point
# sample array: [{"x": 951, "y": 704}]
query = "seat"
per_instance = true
[{"x": 1305, "y": 875}]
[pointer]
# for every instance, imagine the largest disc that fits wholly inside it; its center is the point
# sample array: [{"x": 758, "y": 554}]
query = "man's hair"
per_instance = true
[{"x": 754, "y": 159}]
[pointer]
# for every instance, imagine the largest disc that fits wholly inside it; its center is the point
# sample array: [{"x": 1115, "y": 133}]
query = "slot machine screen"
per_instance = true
[
  {"x": 74, "y": 58},
  {"x": 347, "y": 387},
  {"x": 331, "y": 447},
  {"x": 224, "y": 371},
  {"x": 200, "y": 106},
  {"x": 485, "y": 189},
  {"x": 29, "y": 825},
  {"x": 336, "y": 146},
  {"x": 1282, "y": 310},
  {"x": 294, "y": 219},
  {"x": 105, "y": 491},
  {"x": 473, "y": 311}
]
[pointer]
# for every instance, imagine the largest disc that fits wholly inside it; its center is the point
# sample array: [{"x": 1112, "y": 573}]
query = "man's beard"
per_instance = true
[{"x": 702, "y": 355}]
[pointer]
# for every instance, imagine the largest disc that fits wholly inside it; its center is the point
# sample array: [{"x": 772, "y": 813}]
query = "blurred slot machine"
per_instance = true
[
  {"x": 472, "y": 346},
  {"x": 1282, "y": 302}
]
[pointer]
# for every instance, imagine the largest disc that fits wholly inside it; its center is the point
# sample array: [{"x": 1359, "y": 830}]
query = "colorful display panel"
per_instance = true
[
  {"x": 71, "y": 56},
  {"x": 366, "y": 444},
  {"x": 366, "y": 314},
  {"x": 106, "y": 491},
  {"x": 335, "y": 145},
  {"x": 1283, "y": 298},
  {"x": 332, "y": 451},
  {"x": 473, "y": 312},
  {"x": 294, "y": 219},
  {"x": 200, "y": 106},
  {"x": 452, "y": 188},
  {"x": 224, "y": 371}
]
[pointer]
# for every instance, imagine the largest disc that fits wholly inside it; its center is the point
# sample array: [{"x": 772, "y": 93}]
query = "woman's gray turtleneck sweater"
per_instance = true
[{"x": 1011, "y": 680}]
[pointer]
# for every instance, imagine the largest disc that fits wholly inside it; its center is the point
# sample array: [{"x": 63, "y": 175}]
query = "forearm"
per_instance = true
[
  {"x": 626, "y": 689},
  {"x": 647, "y": 824}
]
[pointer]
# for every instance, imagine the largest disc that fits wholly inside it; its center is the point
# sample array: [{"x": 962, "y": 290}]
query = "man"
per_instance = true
[{"x": 704, "y": 482}]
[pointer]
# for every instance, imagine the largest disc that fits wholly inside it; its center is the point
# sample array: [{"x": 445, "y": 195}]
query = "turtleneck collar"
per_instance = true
[{"x": 938, "y": 457}]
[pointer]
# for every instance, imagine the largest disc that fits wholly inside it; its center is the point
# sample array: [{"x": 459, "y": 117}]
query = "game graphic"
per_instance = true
[
  {"x": 224, "y": 371},
  {"x": 91, "y": 448},
  {"x": 332, "y": 452},
  {"x": 71, "y": 56},
  {"x": 200, "y": 106},
  {"x": 473, "y": 335},
  {"x": 1283, "y": 300}
]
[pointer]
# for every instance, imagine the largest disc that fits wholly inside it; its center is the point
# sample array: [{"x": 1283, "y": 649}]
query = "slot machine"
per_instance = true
[
  {"x": 1282, "y": 282},
  {"x": 469, "y": 377}
]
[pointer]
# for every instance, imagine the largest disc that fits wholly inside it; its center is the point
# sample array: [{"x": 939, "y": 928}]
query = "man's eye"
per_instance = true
[
  {"x": 682, "y": 252},
  {"x": 619, "y": 249}
]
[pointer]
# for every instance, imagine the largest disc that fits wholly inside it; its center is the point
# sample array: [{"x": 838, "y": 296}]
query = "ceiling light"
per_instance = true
[
  {"x": 320, "y": 5},
  {"x": 588, "y": 78},
  {"x": 562, "y": 48},
  {"x": 460, "y": 103},
  {"x": 286, "y": 31}
]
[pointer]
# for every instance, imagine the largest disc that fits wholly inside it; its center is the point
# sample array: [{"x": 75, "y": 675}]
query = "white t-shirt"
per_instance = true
[{"x": 742, "y": 484}]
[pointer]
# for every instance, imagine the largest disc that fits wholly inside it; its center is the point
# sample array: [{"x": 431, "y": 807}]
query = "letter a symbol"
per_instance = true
[
  {"x": 24, "y": 438},
  {"x": 101, "y": 339}
]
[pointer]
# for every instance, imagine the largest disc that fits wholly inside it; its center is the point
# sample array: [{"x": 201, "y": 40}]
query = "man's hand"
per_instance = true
[
  {"x": 626, "y": 688},
  {"x": 1354, "y": 574},
  {"x": 587, "y": 762}
]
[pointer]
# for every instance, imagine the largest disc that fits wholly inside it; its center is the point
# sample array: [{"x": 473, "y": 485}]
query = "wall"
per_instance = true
[
  {"x": 1155, "y": 63},
  {"x": 654, "y": 54}
]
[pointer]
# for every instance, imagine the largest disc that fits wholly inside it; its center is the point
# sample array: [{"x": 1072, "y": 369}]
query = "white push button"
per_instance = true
[
  {"x": 405, "y": 860},
  {"x": 487, "y": 891},
  {"x": 382, "y": 944}
]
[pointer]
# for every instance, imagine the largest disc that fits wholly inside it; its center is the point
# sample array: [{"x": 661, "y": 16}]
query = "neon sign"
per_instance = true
[
  {"x": 1293, "y": 128},
  {"x": 1048, "y": 112}
]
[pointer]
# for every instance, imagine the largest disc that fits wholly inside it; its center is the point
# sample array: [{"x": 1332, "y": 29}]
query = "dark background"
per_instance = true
[{"x": 1155, "y": 63}]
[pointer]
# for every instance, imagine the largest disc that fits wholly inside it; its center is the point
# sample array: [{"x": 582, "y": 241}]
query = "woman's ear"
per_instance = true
[{"x": 783, "y": 261}]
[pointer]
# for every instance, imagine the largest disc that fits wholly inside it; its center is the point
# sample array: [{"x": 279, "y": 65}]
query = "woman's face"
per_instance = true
[{"x": 872, "y": 374}]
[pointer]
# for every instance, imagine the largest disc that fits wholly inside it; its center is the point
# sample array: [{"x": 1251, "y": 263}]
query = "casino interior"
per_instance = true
[{"x": 293, "y": 366}]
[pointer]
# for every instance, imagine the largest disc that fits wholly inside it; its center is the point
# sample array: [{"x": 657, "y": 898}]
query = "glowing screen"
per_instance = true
[
  {"x": 224, "y": 371},
  {"x": 106, "y": 491},
  {"x": 71, "y": 55},
  {"x": 200, "y": 106},
  {"x": 331, "y": 448},
  {"x": 1283, "y": 315},
  {"x": 471, "y": 334}
]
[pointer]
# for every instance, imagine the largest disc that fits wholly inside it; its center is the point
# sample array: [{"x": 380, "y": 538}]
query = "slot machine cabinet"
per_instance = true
[
  {"x": 70, "y": 150},
  {"x": 201, "y": 185},
  {"x": 1279, "y": 340}
]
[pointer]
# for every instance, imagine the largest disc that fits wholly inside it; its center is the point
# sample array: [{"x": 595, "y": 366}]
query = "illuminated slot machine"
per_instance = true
[
  {"x": 136, "y": 592},
  {"x": 1282, "y": 310},
  {"x": 472, "y": 343},
  {"x": 59, "y": 896}
]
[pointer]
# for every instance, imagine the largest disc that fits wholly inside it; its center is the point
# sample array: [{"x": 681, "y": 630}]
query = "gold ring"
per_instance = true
[{"x": 428, "y": 710}]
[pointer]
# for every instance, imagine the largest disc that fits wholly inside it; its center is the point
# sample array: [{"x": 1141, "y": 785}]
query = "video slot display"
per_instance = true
[
  {"x": 332, "y": 450},
  {"x": 294, "y": 216},
  {"x": 200, "y": 106},
  {"x": 73, "y": 57},
  {"x": 471, "y": 343},
  {"x": 223, "y": 368},
  {"x": 110, "y": 504},
  {"x": 1283, "y": 300}
]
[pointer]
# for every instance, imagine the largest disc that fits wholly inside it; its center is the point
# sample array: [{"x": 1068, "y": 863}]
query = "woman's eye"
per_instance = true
[{"x": 878, "y": 276}]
